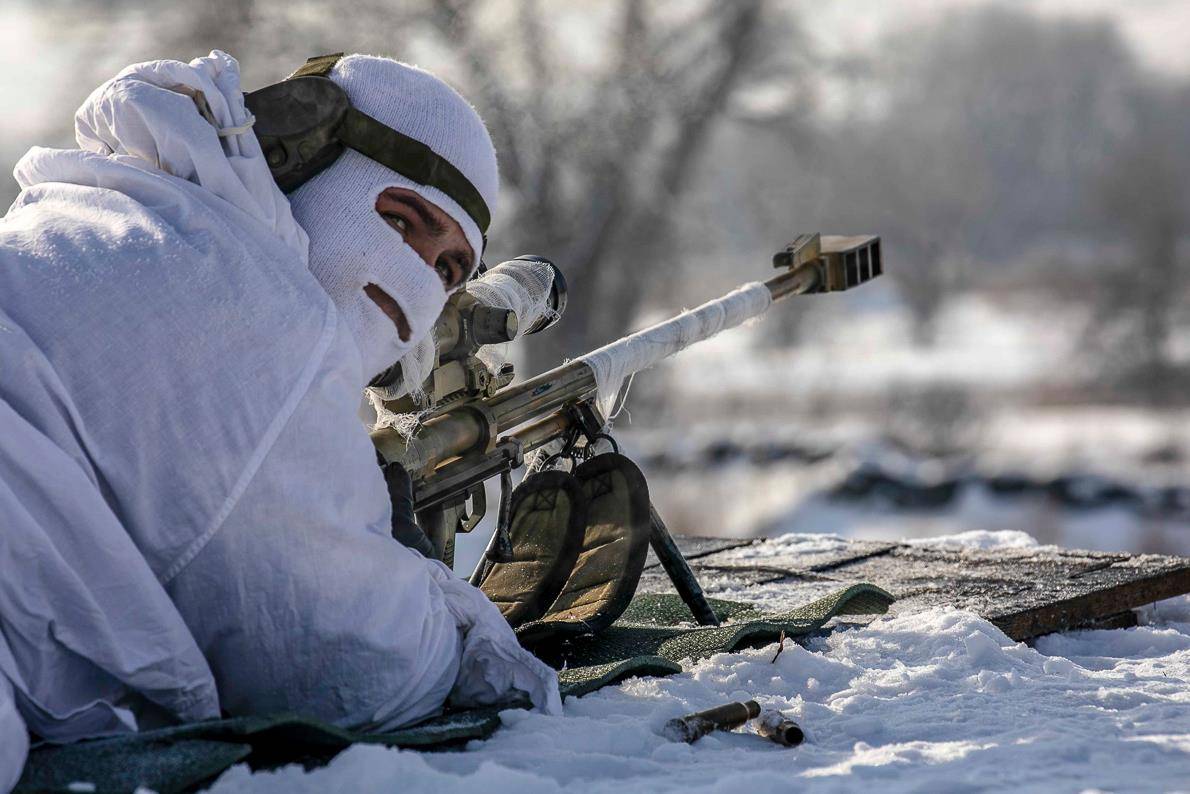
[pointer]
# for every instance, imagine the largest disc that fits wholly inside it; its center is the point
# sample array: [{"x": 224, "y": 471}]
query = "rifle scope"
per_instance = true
[{"x": 525, "y": 295}]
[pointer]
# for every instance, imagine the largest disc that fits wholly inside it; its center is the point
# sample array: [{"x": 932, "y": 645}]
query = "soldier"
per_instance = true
[{"x": 194, "y": 521}]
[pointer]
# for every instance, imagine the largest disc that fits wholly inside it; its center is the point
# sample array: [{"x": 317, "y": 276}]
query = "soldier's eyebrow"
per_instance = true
[{"x": 433, "y": 224}]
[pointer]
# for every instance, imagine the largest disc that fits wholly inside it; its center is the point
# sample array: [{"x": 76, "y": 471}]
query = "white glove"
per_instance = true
[{"x": 493, "y": 664}]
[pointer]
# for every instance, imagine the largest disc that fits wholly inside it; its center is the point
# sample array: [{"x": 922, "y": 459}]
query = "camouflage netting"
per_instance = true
[{"x": 655, "y": 636}]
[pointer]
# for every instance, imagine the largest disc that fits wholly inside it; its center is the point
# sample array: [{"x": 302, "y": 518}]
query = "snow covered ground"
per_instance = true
[{"x": 935, "y": 701}]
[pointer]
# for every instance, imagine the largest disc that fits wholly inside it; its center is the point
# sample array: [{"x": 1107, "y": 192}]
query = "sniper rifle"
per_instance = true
[{"x": 475, "y": 424}]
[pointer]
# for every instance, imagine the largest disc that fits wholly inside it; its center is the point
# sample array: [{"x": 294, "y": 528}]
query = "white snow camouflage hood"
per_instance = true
[{"x": 194, "y": 520}]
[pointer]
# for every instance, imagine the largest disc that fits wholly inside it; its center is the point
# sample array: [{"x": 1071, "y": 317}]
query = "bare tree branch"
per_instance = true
[
  {"x": 451, "y": 19},
  {"x": 736, "y": 40}
]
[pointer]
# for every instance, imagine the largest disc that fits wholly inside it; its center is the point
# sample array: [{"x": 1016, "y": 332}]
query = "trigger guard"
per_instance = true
[{"x": 478, "y": 497}]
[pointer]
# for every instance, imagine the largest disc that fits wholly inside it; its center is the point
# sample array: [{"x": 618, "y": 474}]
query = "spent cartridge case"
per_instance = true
[
  {"x": 693, "y": 727},
  {"x": 776, "y": 727}
]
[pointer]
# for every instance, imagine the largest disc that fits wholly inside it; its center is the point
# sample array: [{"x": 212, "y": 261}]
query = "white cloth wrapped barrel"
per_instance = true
[{"x": 615, "y": 362}]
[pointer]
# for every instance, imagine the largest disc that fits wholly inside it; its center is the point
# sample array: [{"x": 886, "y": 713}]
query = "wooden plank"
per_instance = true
[
  {"x": 693, "y": 548},
  {"x": 1025, "y": 592},
  {"x": 1097, "y": 596},
  {"x": 814, "y": 555}
]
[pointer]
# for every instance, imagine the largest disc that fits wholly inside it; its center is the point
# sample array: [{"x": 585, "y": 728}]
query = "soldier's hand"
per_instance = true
[{"x": 400, "y": 494}]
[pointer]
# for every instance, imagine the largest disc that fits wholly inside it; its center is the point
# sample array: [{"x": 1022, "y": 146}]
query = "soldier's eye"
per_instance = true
[
  {"x": 447, "y": 273},
  {"x": 397, "y": 222}
]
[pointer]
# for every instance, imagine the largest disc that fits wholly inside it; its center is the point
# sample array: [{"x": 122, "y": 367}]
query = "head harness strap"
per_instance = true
[
  {"x": 407, "y": 156},
  {"x": 317, "y": 66}
]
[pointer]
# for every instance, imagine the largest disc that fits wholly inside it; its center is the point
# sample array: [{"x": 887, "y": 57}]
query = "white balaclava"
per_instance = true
[{"x": 350, "y": 244}]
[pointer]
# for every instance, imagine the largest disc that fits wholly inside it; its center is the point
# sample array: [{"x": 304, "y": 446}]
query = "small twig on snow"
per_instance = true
[{"x": 780, "y": 647}]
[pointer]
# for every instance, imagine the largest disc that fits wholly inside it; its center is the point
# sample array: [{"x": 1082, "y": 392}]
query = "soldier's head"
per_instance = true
[{"x": 386, "y": 248}]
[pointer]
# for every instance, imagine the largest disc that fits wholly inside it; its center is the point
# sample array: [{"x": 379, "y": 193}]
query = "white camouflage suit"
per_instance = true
[{"x": 191, "y": 515}]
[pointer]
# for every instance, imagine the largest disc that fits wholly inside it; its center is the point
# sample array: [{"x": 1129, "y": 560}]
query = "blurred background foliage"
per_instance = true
[{"x": 1026, "y": 164}]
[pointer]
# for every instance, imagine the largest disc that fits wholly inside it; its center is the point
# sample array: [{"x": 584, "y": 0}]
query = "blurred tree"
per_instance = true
[
  {"x": 995, "y": 121},
  {"x": 1144, "y": 207}
]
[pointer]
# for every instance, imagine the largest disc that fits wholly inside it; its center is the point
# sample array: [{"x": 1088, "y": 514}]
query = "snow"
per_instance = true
[
  {"x": 939, "y": 700},
  {"x": 979, "y": 539}
]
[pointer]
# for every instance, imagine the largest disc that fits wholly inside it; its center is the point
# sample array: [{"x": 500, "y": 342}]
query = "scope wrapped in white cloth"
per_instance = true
[{"x": 193, "y": 516}]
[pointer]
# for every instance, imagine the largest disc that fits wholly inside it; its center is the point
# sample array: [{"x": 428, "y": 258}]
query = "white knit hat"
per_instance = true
[
  {"x": 350, "y": 244},
  {"x": 417, "y": 104}
]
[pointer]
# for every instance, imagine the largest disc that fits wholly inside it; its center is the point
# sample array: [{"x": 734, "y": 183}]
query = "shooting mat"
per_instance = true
[{"x": 654, "y": 636}]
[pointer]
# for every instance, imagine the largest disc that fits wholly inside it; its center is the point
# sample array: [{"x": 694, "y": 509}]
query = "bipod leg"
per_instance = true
[{"x": 679, "y": 571}]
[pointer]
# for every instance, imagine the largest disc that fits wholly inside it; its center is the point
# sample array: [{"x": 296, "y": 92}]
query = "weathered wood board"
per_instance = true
[{"x": 1025, "y": 592}]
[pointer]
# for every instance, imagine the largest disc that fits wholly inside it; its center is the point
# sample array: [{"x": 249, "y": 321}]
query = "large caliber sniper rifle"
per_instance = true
[{"x": 476, "y": 425}]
